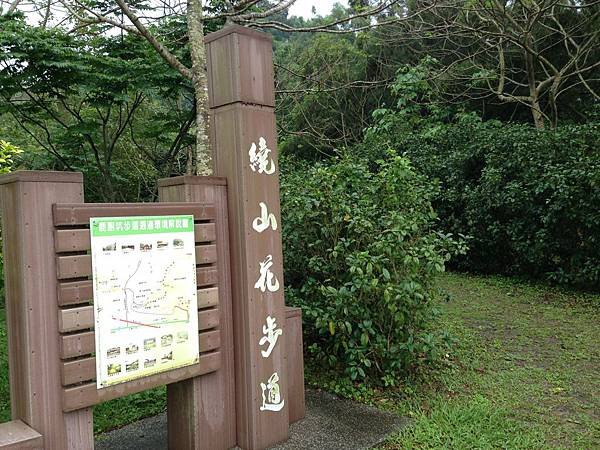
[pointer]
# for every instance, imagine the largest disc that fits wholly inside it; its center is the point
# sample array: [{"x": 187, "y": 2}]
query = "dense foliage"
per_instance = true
[
  {"x": 361, "y": 250},
  {"x": 529, "y": 199}
]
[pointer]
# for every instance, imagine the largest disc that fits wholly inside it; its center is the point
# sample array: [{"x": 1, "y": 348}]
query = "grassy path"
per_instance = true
[{"x": 526, "y": 372}]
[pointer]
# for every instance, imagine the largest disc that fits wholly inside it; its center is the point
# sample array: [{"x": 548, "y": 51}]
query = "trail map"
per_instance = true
[{"x": 145, "y": 305}]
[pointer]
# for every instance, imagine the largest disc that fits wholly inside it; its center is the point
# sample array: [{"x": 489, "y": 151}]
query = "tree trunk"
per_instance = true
[
  {"x": 536, "y": 112},
  {"x": 198, "y": 55}
]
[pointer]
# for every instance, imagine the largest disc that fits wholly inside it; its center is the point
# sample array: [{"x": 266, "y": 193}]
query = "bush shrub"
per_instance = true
[
  {"x": 361, "y": 252},
  {"x": 530, "y": 199}
]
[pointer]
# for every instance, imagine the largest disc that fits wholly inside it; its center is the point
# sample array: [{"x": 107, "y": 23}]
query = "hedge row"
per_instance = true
[{"x": 529, "y": 199}]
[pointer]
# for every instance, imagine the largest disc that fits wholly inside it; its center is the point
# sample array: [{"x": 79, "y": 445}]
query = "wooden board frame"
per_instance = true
[{"x": 76, "y": 317}]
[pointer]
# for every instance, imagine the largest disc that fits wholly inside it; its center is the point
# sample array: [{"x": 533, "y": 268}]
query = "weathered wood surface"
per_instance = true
[
  {"x": 77, "y": 397},
  {"x": 16, "y": 435},
  {"x": 80, "y": 291},
  {"x": 78, "y": 266},
  {"x": 80, "y": 344},
  {"x": 295, "y": 363},
  {"x": 84, "y": 369},
  {"x": 32, "y": 308},
  {"x": 78, "y": 239},
  {"x": 80, "y": 214},
  {"x": 82, "y": 318},
  {"x": 241, "y": 92},
  {"x": 202, "y": 411}
]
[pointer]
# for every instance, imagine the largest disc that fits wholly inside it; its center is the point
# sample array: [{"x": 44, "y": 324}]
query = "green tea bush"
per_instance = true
[
  {"x": 361, "y": 252},
  {"x": 529, "y": 198}
]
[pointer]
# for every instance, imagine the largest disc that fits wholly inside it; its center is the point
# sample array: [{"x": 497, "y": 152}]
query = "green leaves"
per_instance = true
[{"x": 360, "y": 252}]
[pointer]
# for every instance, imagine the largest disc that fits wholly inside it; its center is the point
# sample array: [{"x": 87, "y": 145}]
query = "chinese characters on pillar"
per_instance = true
[{"x": 261, "y": 163}]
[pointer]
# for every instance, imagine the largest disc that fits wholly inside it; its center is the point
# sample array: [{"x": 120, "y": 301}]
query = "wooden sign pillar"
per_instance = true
[
  {"x": 242, "y": 99},
  {"x": 32, "y": 307}
]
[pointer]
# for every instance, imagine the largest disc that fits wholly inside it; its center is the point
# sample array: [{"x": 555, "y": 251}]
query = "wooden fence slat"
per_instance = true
[
  {"x": 84, "y": 369},
  {"x": 210, "y": 340},
  {"x": 76, "y": 266},
  {"x": 208, "y": 297},
  {"x": 78, "y": 240},
  {"x": 82, "y": 318},
  {"x": 85, "y": 395},
  {"x": 80, "y": 344},
  {"x": 79, "y": 370},
  {"x": 75, "y": 319},
  {"x": 75, "y": 292},
  {"x": 73, "y": 345},
  {"x": 205, "y": 276},
  {"x": 80, "y": 214},
  {"x": 209, "y": 318}
]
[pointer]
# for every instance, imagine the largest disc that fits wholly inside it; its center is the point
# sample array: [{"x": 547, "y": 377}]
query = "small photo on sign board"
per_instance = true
[{"x": 145, "y": 300}]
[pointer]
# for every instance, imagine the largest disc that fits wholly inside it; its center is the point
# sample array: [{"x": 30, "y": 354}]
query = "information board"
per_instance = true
[{"x": 145, "y": 301}]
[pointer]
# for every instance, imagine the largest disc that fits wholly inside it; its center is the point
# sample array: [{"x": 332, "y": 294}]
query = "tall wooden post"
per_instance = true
[
  {"x": 244, "y": 140},
  {"x": 32, "y": 306},
  {"x": 201, "y": 410}
]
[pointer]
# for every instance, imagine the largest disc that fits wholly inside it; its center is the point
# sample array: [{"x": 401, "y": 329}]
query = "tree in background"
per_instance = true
[
  {"x": 138, "y": 19},
  {"x": 113, "y": 111},
  {"x": 530, "y": 53}
]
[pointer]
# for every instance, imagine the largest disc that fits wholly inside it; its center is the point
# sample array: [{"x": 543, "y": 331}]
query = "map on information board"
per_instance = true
[{"x": 145, "y": 304}]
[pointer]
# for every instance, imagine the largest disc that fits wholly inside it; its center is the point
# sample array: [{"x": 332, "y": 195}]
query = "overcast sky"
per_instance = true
[{"x": 303, "y": 7}]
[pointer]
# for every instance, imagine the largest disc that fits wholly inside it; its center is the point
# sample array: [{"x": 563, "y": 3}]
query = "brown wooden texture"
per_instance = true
[
  {"x": 79, "y": 214},
  {"x": 16, "y": 435},
  {"x": 77, "y": 397},
  {"x": 252, "y": 80},
  {"x": 295, "y": 363},
  {"x": 82, "y": 318},
  {"x": 201, "y": 411},
  {"x": 75, "y": 266},
  {"x": 80, "y": 344},
  {"x": 32, "y": 307},
  {"x": 78, "y": 239},
  {"x": 240, "y": 76},
  {"x": 75, "y": 292},
  {"x": 84, "y": 369},
  {"x": 75, "y": 296}
]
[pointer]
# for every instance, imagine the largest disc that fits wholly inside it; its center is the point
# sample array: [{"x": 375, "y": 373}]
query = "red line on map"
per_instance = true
[{"x": 135, "y": 323}]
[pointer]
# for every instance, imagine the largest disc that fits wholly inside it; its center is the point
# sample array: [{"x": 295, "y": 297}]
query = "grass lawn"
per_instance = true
[{"x": 525, "y": 373}]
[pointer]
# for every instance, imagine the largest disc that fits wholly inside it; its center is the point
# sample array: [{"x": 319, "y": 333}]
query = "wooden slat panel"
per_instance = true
[
  {"x": 205, "y": 276},
  {"x": 78, "y": 240},
  {"x": 17, "y": 435},
  {"x": 80, "y": 214},
  {"x": 74, "y": 292},
  {"x": 76, "y": 266},
  {"x": 75, "y": 319},
  {"x": 208, "y": 319},
  {"x": 78, "y": 397},
  {"x": 208, "y": 297},
  {"x": 210, "y": 340},
  {"x": 85, "y": 369},
  {"x": 78, "y": 371},
  {"x": 206, "y": 254},
  {"x": 74, "y": 345},
  {"x": 82, "y": 318}
]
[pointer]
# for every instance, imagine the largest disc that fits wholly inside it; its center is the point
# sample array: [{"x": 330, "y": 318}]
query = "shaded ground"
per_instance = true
[
  {"x": 526, "y": 372},
  {"x": 330, "y": 423}
]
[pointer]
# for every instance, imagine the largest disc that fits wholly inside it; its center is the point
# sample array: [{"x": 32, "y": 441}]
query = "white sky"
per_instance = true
[{"x": 303, "y": 7}]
